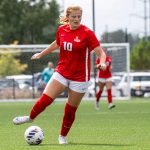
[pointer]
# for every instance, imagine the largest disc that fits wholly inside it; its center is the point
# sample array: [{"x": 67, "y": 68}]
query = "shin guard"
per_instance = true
[
  {"x": 68, "y": 119},
  {"x": 40, "y": 105}
]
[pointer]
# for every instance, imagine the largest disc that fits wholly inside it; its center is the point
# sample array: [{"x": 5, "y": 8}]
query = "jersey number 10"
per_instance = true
[{"x": 68, "y": 46}]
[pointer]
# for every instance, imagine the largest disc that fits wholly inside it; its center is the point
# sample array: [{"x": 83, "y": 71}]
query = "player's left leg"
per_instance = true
[
  {"x": 109, "y": 94},
  {"x": 75, "y": 95},
  {"x": 71, "y": 106}
]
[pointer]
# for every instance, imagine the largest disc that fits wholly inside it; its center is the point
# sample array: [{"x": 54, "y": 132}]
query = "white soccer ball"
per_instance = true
[{"x": 34, "y": 135}]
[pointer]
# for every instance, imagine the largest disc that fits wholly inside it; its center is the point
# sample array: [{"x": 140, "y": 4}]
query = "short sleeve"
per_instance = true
[
  {"x": 58, "y": 37},
  {"x": 92, "y": 40}
]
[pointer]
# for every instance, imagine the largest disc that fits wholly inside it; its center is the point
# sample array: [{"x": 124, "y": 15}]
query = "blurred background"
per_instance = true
[{"x": 28, "y": 26}]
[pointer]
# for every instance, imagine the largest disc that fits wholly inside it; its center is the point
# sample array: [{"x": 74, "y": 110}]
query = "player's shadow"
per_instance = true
[
  {"x": 97, "y": 144},
  {"x": 88, "y": 144}
]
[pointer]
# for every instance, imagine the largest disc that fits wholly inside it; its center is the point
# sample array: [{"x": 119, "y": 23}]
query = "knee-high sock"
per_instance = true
[
  {"x": 68, "y": 119},
  {"x": 40, "y": 105},
  {"x": 109, "y": 96},
  {"x": 98, "y": 95}
]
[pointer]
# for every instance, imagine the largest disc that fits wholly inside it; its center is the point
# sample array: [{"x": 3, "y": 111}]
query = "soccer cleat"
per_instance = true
[
  {"x": 97, "y": 105},
  {"x": 21, "y": 120},
  {"x": 110, "y": 106},
  {"x": 62, "y": 139}
]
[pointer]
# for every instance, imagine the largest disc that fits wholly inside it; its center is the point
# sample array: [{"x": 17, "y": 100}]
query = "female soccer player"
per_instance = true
[
  {"x": 75, "y": 42},
  {"x": 104, "y": 79}
]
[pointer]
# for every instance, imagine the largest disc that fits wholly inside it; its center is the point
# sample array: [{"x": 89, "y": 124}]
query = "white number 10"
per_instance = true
[{"x": 68, "y": 46}]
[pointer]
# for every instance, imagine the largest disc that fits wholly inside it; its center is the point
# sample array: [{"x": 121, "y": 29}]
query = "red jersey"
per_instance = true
[
  {"x": 75, "y": 47},
  {"x": 105, "y": 73}
]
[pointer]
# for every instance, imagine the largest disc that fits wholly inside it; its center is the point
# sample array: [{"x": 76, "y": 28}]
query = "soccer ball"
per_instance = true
[{"x": 34, "y": 135}]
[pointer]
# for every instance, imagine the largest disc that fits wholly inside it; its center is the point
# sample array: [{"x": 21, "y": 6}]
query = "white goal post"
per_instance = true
[{"x": 120, "y": 53}]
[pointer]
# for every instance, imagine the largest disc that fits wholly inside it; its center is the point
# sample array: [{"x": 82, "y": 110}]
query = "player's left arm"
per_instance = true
[
  {"x": 110, "y": 68},
  {"x": 101, "y": 54}
]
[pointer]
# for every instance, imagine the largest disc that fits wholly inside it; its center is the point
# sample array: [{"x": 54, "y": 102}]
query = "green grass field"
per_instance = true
[{"x": 126, "y": 127}]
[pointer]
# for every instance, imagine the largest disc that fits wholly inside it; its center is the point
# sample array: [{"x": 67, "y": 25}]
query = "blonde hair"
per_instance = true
[{"x": 69, "y": 10}]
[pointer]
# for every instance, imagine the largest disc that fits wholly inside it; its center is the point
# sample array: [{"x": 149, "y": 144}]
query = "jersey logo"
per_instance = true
[{"x": 77, "y": 39}]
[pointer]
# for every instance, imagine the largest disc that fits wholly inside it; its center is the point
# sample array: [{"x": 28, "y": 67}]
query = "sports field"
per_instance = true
[{"x": 126, "y": 127}]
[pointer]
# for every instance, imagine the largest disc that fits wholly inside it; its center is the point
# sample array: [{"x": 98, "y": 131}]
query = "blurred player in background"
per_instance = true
[
  {"x": 75, "y": 41},
  {"x": 105, "y": 79},
  {"x": 47, "y": 72},
  {"x": 45, "y": 76}
]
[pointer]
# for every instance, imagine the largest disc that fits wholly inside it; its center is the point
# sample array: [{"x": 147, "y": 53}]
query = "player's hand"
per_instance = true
[
  {"x": 36, "y": 56},
  {"x": 101, "y": 66}
]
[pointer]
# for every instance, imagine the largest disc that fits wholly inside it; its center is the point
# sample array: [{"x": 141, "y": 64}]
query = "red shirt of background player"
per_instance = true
[{"x": 105, "y": 73}]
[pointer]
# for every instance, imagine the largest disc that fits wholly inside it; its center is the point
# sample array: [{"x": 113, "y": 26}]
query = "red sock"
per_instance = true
[
  {"x": 68, "y": 119},
  {"x": 40, "y": 105},
  {"x": 109, "y": 96},
  {"x": 98, "y": 95}
]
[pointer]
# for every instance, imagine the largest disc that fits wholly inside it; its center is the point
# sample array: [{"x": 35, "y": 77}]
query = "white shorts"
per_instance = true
[
  {"x": 104, "y": 80},
  {"x": 80, "y": 87}
]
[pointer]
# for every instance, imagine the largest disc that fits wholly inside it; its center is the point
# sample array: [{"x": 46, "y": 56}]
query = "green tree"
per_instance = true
[
  {"x": 28, "y": 22},
  {"x": 140, "y": 56},
  {"x": 10, "y": 65},
  {"x": 119, "y": 36}
]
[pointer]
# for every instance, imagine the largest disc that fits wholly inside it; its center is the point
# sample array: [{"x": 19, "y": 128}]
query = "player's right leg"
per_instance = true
[
  {"x": 21, "y": 120},
  {"x": 101, "y": 85},
  {"x": 52, "y": 90},
  {"x": 38, "y": 107},
  {"x": 98, "y": 95}
]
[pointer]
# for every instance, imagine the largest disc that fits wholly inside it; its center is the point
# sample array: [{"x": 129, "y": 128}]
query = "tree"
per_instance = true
[
  {"x": 28, "y": 22},
  {"x": 9, "y": 65},
  {"x": 139, "y": 57},
  {"x": 119, "y": 36}
]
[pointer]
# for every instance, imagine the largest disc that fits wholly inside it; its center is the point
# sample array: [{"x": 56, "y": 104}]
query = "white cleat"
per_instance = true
[
  {"x": 97, "y": 105},
  {"x": 62, "y": 139},
  {"x": 21, "y": 120},
  {"x": 110, "y": 106}
]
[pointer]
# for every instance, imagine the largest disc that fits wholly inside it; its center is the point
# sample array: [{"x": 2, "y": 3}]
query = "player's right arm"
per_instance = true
[{"x": 53, "y": 46}]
